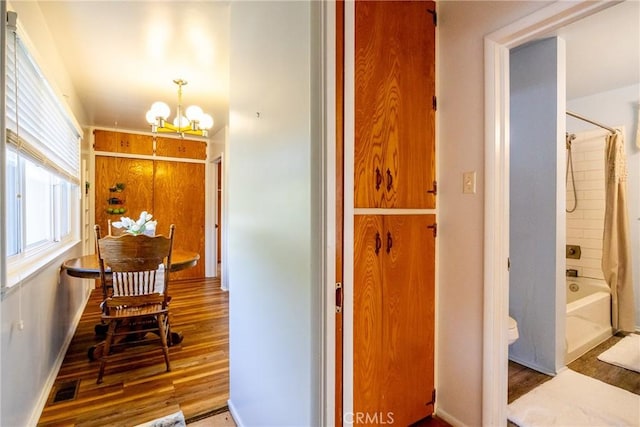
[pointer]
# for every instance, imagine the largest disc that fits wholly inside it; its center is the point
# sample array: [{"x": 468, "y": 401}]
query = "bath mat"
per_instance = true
[
  {"x": 625, "y": 353},
  {"x": 173, "y": 420},
  {"x": 573, "y": 399}
]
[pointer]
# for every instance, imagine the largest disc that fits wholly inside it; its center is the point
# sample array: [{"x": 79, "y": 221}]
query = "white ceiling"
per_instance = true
[
  {"x": 124, "y": 55},
  {"x": 603, "y": 50}
]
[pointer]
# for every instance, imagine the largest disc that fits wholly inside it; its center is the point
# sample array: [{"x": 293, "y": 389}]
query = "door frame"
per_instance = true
[
  {"x": 216, "y": 199},
  {"x": 496, "y": 213}
]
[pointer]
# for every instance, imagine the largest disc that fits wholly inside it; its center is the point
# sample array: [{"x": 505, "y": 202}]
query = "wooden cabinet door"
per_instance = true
[
  {"x": 120, "y": 142},
  {"x": 394, "y": 317},
  {"x": 368, "y": 351},
  {"x": 179, "y": 199},
  {"x": 182, "y": 148},
  {"x": 137, "y": 196},
  {"x": 394, "y": 104}
]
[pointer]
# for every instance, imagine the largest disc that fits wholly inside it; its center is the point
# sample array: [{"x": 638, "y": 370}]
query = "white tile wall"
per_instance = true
[{"x": 585, "y": 226}]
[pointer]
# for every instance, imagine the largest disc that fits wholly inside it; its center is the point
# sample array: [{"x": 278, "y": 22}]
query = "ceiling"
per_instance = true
[
  {"x": 603, "y": 50},
  {"x": 124, "y": 55}
]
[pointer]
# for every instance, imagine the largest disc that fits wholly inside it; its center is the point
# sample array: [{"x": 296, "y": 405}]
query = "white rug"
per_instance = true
[
  {"x": 573, "y": 399},
  {"x": 173, "y": 420},
  {"x": 625, "y": 353}
]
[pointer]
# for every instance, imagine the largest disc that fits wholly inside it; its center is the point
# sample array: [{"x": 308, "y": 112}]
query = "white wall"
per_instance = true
[
  {"x": 615, "y": 108},
  {"x": 48, "y": 304},
  {"x": 462, "y": 26},
  {"x": 272, "y": 175},
  {"x": 536, "y": 219}
]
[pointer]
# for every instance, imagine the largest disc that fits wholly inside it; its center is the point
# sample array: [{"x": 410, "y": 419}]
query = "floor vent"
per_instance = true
[{"x": 65, "y": 391}]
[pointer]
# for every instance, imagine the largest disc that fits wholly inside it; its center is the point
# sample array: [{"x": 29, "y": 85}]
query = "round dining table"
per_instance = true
[{"x": 88, "y": 267}]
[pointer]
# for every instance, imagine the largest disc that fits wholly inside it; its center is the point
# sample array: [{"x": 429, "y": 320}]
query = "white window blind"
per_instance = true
[{"x": 37, "y": 123}]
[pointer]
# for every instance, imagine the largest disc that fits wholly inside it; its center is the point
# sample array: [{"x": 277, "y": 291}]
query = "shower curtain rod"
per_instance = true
[{"x": 578, "y": 116}]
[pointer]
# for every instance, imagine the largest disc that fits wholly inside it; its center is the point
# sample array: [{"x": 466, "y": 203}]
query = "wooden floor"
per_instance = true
[
  {"x": 140, "y": 389},
  {"x": 523, "y": 379}
]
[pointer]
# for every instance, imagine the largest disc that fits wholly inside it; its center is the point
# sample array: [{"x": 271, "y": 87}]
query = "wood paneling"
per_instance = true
[
  {"x": 140, "y": 390},
  {"x": 393, "y": 316},
  {"x": 183, "y": 148},
  {"x": 394, "y": 96},
  {"x": 172, "y": 191},
  {"x": 137, "y": 196},
  {"x": 179, "y": 199},
  {"x": 120, "y": 142}
]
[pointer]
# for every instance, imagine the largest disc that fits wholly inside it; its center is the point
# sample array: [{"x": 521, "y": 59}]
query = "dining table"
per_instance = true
[{"x": 88, "y": 267}]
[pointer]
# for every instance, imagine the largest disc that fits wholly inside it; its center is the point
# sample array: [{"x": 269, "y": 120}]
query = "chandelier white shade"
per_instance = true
[{"x": 192, "y": 121}]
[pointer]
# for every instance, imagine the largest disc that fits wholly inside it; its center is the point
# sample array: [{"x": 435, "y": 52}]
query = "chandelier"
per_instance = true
[{"x": 192, "y": 121}]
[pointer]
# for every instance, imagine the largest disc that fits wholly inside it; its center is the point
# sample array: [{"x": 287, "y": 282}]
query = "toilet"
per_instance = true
[{"x": 513, "y": 330}]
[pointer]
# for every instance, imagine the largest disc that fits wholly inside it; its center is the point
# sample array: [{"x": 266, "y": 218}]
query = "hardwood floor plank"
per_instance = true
[
  {"x": 138, "y": 389},
  {"x": 523, "y": 379}
]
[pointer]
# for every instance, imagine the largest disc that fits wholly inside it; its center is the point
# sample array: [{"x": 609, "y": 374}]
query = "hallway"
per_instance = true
[{"x": 142, "y": 390}]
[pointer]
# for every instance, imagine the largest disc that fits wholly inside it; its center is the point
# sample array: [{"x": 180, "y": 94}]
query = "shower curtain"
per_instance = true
[{"x": 616, "y": 249}]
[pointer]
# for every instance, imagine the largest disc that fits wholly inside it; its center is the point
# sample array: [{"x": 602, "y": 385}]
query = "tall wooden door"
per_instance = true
[
  {"x": 179, "y": 199},
  {"x": 393, "y": 318},
  {"x": 394, "y": 104}
]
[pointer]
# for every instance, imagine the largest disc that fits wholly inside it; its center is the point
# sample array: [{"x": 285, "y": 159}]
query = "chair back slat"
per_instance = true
[{"x": 134, "y": 261}]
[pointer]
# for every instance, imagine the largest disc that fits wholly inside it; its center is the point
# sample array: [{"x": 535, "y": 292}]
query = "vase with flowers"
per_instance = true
[{"x": 144, "y": 224}]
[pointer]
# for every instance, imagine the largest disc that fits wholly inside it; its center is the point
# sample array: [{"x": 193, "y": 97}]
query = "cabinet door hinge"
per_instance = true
[
  {"x": 434, "y": 190},
  {"x": 434, "y": 15},
  {"x": 433, "y": 398},
  {"x": 338, "y": 297},
  {"x": 434, "y": 228},
  {"x": 435, "y": 103}
]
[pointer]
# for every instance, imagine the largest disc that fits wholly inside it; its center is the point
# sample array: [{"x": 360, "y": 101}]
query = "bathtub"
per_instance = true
[{"x": 588, "y": 315}]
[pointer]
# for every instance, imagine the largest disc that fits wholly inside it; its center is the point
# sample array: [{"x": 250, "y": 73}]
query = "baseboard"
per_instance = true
[
  {"x": 48, "y": 385},
  {"x": 440, "y": 413},
  {"x": 234, "y": 414}
]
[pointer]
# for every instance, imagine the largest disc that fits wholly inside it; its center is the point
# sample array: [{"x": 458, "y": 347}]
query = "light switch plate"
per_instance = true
[{"x": 469, "y": 182}]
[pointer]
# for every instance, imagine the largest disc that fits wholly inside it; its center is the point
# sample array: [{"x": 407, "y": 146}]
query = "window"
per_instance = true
[{"x": 42, "y": 165}]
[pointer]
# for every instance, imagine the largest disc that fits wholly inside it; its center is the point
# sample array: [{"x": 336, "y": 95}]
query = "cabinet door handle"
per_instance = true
[
  {"x": 389, "y": 241},
  {"x": 378, "y": 243},
  {"x": 378, "y": 178},
  {"x": 389, "y": 180}
]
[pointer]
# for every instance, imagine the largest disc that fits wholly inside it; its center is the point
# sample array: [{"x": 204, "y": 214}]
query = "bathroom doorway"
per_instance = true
[{"x": 496, "y": 290}]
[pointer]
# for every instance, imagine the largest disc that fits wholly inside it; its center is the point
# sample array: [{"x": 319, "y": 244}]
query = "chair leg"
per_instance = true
[
  {"x": 163, "y": 324},
  {"x": 107, "y": 349}
]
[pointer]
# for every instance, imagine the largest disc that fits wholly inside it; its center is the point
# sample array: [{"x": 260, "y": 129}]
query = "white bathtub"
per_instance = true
[{"x": 588, "y": 315}]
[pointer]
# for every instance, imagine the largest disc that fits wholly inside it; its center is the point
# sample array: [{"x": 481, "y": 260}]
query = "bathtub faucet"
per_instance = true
[{"x": 572, "y": 272}]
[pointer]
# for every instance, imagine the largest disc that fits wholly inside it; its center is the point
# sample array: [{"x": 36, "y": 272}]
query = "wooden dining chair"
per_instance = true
[{"x": 137, "y": 306}]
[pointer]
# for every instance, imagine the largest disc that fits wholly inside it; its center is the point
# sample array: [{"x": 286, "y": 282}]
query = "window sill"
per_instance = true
[{"x": 24, "y": 270}]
